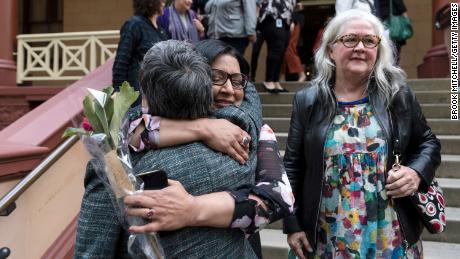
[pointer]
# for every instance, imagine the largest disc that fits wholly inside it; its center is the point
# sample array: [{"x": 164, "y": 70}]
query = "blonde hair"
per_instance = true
[{"x": 387, "y": 75}]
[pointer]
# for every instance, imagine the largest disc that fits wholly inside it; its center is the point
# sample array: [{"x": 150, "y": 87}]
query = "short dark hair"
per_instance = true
[
  {"x": 211, "y": 49},
  {"x": 176, "y": 81},
  {"x": 146, "y": 8}
]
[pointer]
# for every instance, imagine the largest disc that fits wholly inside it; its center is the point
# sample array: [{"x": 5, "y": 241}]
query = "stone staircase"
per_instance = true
[{"x": 434, "y": 97}]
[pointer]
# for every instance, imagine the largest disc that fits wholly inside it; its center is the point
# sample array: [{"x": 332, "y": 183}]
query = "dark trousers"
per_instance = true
[
  {"x": 277, "y": 41},
  {"x": 239, "y": 44},
  {"x": 255, "y": 53}
]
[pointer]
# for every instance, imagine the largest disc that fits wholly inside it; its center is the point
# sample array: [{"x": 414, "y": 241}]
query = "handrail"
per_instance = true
[{"x": 22, "y": 186}]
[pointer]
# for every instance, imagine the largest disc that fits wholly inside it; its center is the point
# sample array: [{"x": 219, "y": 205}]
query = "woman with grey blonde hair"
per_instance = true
[{"x": 349, "y": 202}]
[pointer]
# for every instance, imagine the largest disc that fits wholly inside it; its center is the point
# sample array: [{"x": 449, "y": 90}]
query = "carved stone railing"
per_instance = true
[{"x": 63, "y": 56}]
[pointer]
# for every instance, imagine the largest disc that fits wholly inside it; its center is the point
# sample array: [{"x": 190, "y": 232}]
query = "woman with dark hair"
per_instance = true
[
  {"x": 181, "y": 22},
  {"x": 234, "y": 198},
  {"x": 137, "y": 35},
  {"x": 219, "y": 134}
]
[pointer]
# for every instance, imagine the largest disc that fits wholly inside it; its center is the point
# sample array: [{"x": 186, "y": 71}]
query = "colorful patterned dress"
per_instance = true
[{"x": 356, "y": 219}]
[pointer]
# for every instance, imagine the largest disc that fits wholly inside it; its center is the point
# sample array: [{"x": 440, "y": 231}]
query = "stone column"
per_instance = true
[
  {"x": 436, "y": 60},
  {"x": 8, "y": 30}
]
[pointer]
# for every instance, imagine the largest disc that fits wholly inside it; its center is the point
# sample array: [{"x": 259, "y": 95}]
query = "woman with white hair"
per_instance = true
[{"x": 349, "y": 202}]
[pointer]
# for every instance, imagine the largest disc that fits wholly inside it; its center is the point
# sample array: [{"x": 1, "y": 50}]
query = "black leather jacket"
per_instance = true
[{"x": 304, "y": 157}]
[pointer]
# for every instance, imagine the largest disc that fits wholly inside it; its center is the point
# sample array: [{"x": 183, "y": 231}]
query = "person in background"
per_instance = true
[
  {"x": 292, "y": 61},
  {"x": 233, "y": 22},
  {"x": 350, "y": 202},
  {"x": 198, "y": 6},
  {"x": 182, "y": 23},
  {"x": 137, "y": 35},
  {"x": 370, "y": 6},
  {"x": 399, "y": 8},
  {"x": 275, "y": 20}
]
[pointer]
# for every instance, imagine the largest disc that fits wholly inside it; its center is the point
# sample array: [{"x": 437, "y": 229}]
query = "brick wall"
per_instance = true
[{"x": 93, "y": 15}]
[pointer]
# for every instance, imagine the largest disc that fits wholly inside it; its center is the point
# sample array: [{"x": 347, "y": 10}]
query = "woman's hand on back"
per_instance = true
[
  {"x": 173, "y": 208},
  {"x": 170, "y": 208},
  {"x": 224, "y": 136}
]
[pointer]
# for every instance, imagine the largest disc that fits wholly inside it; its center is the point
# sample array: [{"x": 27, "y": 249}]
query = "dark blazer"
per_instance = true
[
  {"x": 137, "y": 36},
  {"x": 304, "y": 157},
  {"x": 201, "y": 170}
]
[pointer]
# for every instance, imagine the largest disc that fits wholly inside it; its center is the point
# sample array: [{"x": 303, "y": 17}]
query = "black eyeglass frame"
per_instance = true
[
  {"x": 360, "y": 39},
  {"x": 229, "y": 76}
]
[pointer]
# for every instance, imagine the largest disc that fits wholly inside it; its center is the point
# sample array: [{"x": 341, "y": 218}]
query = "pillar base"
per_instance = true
[
  {"x": 7, "y": 72},
  {"x": 435, "y": 63}
]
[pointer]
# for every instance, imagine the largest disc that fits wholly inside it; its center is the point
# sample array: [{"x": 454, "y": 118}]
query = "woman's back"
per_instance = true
[{"x": 202, "y": 170}]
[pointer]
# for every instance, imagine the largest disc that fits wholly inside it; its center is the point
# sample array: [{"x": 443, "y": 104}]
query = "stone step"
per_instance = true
[
  {"x": 423, "y": 97},
  {"x": 439, "y": 126},
  {"x": 449, "y": 167},
  {"x": 426, "y": 84},
  {"x": 435, "y": 110},
  {"x": 450, "y": 144},
  {"x": 444, "y": 126},
  {"x": 432, "y": 84},
  {"x": 451, "y": 190},
  {"x": 274, "y": 246},
  {"x": 285, "y": 110}
]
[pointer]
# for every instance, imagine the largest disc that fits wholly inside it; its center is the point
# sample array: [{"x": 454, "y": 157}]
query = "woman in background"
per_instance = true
[
  {"x": 274, "y": 23},
  {"x": 137, "y": 35},
  {"x": 399, "y": 8},
  {"x": 181, "y": 22}
]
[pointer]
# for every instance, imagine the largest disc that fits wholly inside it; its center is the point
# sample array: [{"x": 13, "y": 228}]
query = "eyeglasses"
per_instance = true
[
  {"x": 352, "y": 40},
  {"x": 220, "y": 77}
]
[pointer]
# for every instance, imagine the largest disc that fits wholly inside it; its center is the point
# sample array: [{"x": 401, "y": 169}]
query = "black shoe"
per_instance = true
[
  {"x": 280, "y": 90},
  {"x": 283, "y": 90},
  {"x": 273, "y": 90}
]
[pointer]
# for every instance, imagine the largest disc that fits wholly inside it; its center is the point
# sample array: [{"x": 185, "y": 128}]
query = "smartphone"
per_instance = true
[{"x": 154, "y": 180}]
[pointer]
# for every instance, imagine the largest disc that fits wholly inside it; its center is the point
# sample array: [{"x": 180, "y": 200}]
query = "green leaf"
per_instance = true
[
  {"x": 108, "y": 90},
  {"x": 73, "y": 131},
  {"x": 109, "y": 102},
  {"x": 100, "y": 113},
  {"x": 123, "y": 101},
  {"x": 88, "y": 110}
]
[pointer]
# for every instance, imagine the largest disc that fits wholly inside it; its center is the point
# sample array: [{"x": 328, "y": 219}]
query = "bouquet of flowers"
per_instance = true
[{"x": 104, "y": 133}]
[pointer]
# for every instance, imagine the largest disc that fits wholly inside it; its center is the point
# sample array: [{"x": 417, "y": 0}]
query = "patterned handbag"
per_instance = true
[{"x": 429, "y": 205}]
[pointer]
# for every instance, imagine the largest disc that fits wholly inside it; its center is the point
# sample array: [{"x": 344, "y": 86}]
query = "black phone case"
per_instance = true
[{"x": 154, "y": 180}]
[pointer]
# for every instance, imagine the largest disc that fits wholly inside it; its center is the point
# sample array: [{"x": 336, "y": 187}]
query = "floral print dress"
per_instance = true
[{"x": 356, "y": 218}]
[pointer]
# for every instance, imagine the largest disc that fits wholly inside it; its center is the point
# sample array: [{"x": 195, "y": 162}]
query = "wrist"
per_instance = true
[
  {"x": 203, "y": 129},
  {"x": 198, "y": 214}
]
